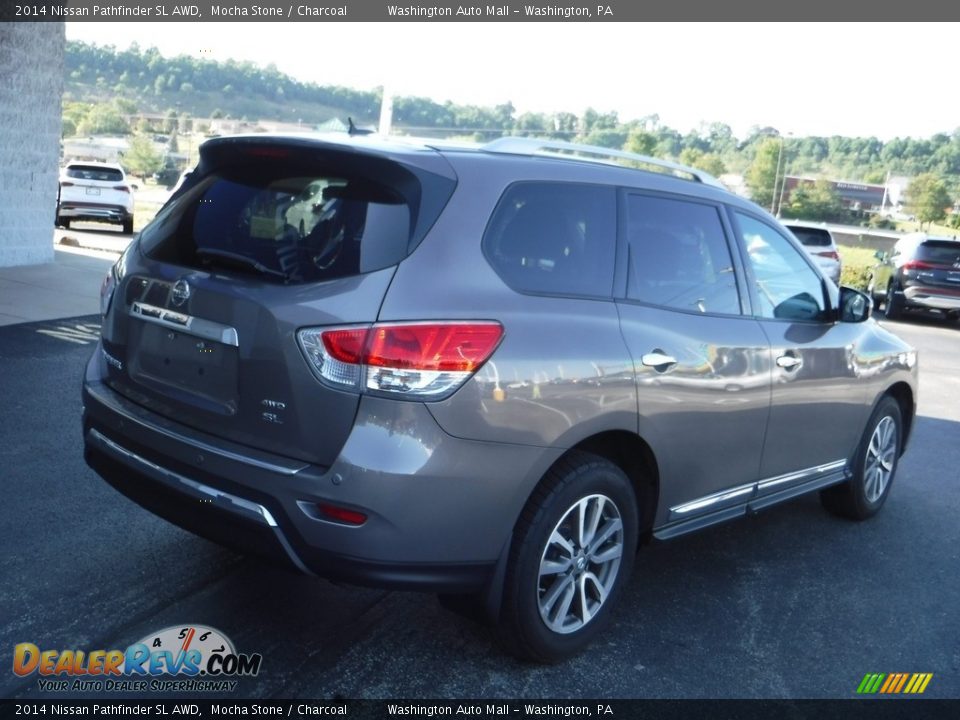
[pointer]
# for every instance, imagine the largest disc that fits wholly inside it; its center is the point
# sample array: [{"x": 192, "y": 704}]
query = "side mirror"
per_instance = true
[
  {"x": 855, "y": 306},
  {"x": 880, "y": 255}
]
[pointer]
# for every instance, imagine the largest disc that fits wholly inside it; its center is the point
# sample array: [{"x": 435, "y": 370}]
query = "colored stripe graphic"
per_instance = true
[{"x": 894, "y": 683}]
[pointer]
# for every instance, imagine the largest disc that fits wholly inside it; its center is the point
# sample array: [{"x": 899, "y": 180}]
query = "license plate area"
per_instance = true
[
  {"x": 93, "y": 191},
  {"x": 182, "y": 366}
]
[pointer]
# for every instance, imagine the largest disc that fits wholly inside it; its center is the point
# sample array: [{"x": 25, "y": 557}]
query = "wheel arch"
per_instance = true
[{"x": 904, "y": 396}]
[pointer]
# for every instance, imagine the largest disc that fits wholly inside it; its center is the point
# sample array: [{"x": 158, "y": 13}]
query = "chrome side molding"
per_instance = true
[{"x": 750, "y": 497}]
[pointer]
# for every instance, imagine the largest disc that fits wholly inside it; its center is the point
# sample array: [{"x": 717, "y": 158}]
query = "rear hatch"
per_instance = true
[
  {"x": 935, "y": 265},
  {"x": 267, "y": 237}
]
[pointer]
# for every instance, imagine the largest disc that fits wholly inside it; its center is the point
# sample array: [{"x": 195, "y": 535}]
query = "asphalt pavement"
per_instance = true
[{"x": 792, "y": 603}]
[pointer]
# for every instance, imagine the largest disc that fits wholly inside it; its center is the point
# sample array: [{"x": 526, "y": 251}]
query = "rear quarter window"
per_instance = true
[{"x": 554, "y": 238}]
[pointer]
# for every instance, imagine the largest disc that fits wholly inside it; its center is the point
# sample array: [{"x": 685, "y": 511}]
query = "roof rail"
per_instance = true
[{"x": 591, "y": 153}]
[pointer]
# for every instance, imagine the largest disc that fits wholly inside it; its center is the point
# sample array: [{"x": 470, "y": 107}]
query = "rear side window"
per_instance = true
[
  {"x": 679, "y": 257},
  {"x": 554, "y": 238},
  {"x": 812, "y": 237},
  {"x": 92, "y": 172},
  {"x": 286, "y": 223}
]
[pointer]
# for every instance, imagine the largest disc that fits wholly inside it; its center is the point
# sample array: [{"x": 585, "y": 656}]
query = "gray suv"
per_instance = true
[{"x": 490, "y": 372}]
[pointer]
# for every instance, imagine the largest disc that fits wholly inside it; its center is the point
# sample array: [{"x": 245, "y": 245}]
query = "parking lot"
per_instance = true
[{"x": 792, "y": 603}]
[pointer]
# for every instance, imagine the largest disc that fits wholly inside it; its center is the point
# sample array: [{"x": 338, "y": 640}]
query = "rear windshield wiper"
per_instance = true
[{"x": 243, "y": 261}]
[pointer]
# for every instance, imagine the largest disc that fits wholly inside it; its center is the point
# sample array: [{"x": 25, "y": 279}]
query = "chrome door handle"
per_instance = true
[
  {"x": 657, "y": 359},
  {"x": 789, "y": 362}
]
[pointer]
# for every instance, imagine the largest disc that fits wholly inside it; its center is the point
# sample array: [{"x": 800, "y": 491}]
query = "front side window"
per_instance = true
[
  {"x": 554, "y": 238},
  {"x": 787, "y": 287},
  {"x": 678, "y": 256}
]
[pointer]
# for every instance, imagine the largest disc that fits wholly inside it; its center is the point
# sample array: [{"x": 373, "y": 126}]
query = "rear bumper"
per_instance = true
[
  {"x": 932, "y": 298},
  {"x": 93, "y": 211},
  {"x": 439, "y": 511}
]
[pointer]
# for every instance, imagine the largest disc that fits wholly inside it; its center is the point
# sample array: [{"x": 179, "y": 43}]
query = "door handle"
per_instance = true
[
  {"x": 789, "y": 362},
  {"x": 657, "y": 358}
]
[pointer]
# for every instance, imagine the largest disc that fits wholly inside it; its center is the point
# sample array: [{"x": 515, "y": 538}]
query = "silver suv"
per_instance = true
[{"x": 491, "y": 372}]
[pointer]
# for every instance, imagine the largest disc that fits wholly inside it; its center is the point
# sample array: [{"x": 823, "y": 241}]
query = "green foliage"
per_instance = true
[
  {"x": 817, "y": 202},
  {"x": 708, "y": 162},
  {"x": 880, "y": 222},
  {"x": 855, "y": 276},
  {"x": 762, "y": 175},
  {"x": 103, "y": 119},
  {"x": 142, "y": 158},
  {"x": 928, "y": 198},
  {"x": 204, "y": 88},
  {"x": 641, "y": 142}
]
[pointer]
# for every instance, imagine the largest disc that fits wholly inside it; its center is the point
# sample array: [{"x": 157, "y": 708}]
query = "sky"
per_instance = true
[{"x": 855, "y": 79}]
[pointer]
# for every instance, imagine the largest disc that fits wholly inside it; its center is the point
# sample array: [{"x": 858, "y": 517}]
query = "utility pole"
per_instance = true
[{"x": 773, "y": 198}]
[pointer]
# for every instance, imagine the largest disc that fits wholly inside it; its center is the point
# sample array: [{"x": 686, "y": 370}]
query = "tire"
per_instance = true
[
  {"x": 894, "y": 305},
  {"x": 559, "y": 592},
  {"x": 128, "y": 227},
  {"x": 65, "y": 223},
  {"x": 874, "y": 466}
]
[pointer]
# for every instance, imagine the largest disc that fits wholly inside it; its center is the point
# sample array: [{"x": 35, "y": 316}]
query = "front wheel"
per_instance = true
[
  {"x": 573, "y": 552},
  {"x": 874, "y": 466}
]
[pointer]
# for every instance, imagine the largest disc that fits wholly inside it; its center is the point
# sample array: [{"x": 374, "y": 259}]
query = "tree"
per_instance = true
[
  {"x": 928, "y": 198},
  {"x": 708, "y": 162},
  {"x": 142, "y": 158},
  {"x": 818, "y": 201},
  {"x": 762, "y": 176},
  {"x": 641, "y": 142},
  {"x": 103, "y": 119}
]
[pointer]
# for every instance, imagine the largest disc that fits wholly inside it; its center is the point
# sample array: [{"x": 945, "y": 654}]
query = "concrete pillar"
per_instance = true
[{"x": 31, "y": 92}]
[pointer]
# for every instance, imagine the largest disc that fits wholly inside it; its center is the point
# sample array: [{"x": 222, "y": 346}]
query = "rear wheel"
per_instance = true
[
  {"x": 894, "y": 304},
  {"x": 874, "y": 466},
  {"x": 573, "y": 552},
  {"x": 128, "y": 226}
]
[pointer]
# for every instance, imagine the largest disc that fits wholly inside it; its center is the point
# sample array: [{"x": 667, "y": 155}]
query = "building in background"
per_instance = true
[{"x": 31, "y": 89}]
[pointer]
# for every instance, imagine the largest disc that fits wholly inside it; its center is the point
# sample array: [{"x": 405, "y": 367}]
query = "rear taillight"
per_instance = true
[
  {"x": 422, "y": 360},
  {"x": 832, "y": 254},
  {"x": 66, "y": 183},
  {"x": 918, "y": 265},
  {"x": 121, "y": 188}
]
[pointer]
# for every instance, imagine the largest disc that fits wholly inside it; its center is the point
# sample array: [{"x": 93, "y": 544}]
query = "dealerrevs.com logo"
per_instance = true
[{"x": 181, "y": 658}]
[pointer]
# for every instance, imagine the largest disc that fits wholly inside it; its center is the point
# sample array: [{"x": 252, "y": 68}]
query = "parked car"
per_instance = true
[
  {"x": 95, "y": 191},
  {"x": 920, "y": 273},
  {"x": 818, "y": 241},
  {"x": 485, "y": 371}
]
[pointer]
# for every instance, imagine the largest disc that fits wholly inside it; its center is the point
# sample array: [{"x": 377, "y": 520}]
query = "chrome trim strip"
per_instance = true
[
  {"x": 250, "y": 509},
  {"x": 253, "y": 511},
  {"x": 206, "y": 329},
  {"x": 712, "y": 502},
  {"x": 799, "y": 476},
  {"x": 220, "y": 452},
  {"x": 744, "y": 493}
]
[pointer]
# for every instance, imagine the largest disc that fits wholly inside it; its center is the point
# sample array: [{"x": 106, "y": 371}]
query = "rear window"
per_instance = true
[
  {"x": 944, "y": 252},
  {"x": 286, "y": 223},
  {"x": 811, "y": 237},
  {"x": 91, "y": 172}
]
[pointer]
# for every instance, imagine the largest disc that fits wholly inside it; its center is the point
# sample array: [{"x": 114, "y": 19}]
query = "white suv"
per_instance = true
[{"x": 95, "y": 191}]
